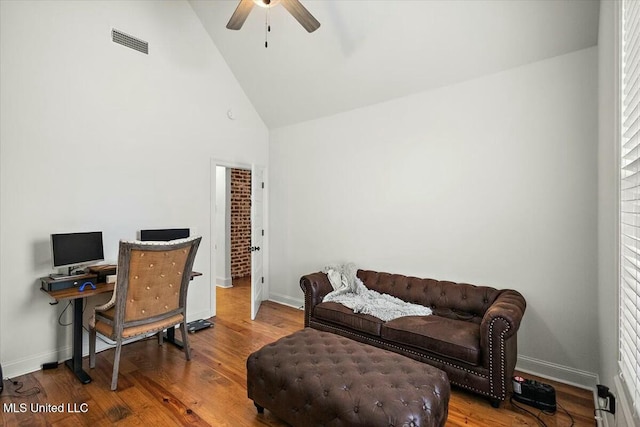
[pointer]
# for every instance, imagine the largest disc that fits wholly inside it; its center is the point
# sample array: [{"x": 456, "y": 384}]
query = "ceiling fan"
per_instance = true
[{"x": 295, "y": 8}]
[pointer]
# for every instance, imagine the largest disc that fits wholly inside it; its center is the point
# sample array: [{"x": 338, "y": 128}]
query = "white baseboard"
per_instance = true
[
  {"x": 286, "y": 300},
  {"x": 555, "y": 372},
  {"x": 224, "y": 282},
  {"x": 198, "y": 315},
  {"x": 34, "y": 363}
]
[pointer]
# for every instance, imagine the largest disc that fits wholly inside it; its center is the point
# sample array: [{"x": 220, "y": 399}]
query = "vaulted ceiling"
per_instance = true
[{"x": 370, "y": 51}]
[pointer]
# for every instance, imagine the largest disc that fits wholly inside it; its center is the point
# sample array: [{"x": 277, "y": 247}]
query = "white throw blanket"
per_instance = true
[{"x": 351, "y": 292}]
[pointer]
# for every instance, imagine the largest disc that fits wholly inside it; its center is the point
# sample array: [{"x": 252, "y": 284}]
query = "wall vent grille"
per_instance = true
[{"x": 129, "y": 41}]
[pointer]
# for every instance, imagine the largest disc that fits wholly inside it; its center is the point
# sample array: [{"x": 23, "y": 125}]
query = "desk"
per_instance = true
[{"x": 75, "y": 363}]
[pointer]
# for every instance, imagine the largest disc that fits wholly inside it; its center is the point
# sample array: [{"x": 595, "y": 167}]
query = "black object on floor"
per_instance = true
[
  {"x": 534, "y": 393},
  {"x": 198, "y": 325}
]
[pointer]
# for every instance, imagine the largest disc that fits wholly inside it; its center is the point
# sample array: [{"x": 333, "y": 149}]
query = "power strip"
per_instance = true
[{"x": 534, "y": 393}]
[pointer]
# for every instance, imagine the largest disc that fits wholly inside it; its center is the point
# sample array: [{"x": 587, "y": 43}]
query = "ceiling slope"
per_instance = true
[{"x": 367, "y": 52}]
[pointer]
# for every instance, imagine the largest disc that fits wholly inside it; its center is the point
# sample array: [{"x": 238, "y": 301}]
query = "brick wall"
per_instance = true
[{"x": 240, "y": 223}]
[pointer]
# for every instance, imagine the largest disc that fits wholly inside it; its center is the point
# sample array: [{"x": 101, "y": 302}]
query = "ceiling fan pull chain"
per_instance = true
[{"x": 267, "y": 28}]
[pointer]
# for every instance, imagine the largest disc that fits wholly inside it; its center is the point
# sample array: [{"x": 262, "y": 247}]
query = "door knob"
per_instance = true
[{"x": 254, "y": 248}]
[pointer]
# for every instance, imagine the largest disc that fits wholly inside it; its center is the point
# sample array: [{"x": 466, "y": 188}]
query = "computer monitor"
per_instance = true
[
  {"x": 75, "y": 249},
  {"x": 164, "y": 235}
]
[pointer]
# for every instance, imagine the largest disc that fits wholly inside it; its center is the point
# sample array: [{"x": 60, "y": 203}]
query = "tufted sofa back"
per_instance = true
[{"x": 459, "y": 301}]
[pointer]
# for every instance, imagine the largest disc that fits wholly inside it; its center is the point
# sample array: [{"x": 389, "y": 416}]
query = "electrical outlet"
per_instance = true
[{"x": 608, "y": 397}]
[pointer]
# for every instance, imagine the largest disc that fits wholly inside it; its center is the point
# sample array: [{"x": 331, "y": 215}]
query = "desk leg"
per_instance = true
[
  {"x": 75, "y": 363},
  {"x": 170, "y": 337}
]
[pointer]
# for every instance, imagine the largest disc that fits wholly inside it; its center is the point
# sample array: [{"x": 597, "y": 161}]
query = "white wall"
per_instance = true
[
  {"x": 492, "y": 181},
  {"x": 96, "y": 136}
]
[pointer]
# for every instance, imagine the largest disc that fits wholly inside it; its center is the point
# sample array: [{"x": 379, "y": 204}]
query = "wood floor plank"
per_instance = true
[
  {"x": 158, "y": 387},
  {"x": 181, "y": 411}
]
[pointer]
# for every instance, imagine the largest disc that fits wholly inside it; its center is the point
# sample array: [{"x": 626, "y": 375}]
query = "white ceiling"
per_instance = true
[{"x": 369, "y": 51}]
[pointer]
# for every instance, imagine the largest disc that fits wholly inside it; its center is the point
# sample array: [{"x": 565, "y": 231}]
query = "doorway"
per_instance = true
[{"x": 237, "y": 234}]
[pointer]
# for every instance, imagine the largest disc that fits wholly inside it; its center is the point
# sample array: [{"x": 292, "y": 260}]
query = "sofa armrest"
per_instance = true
[
  {"x": 499, "y": 339},
  {"x": 315, "y": 286},
  {"x": 509, "y": 307}
]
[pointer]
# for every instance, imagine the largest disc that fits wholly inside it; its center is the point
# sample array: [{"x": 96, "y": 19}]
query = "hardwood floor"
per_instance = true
[{"x": 157, "y": 386}]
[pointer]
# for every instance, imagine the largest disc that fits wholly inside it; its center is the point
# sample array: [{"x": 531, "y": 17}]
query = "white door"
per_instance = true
[{"x": 257, "y": 237}]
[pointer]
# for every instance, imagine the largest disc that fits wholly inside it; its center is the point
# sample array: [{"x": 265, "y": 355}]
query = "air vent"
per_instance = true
[{"x": 129, "y": 41}]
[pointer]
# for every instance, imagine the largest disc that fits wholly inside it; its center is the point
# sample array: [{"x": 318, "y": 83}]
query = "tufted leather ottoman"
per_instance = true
[{"x": 317, "y": 378}]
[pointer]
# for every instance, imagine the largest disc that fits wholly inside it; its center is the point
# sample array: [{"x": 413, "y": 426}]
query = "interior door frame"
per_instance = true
[
  {"x": 215, "y": 162},
  {"x": 257, "y": 239}
]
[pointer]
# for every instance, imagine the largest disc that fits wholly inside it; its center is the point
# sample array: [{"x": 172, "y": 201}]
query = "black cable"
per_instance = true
[
  {"x": 567, "y": 412},
  {"x": 84, "y": 307},
  {"x": 17, "y": 392},
  {"x": 542, "y": 423},
  {"x": 61, "y": 314}
]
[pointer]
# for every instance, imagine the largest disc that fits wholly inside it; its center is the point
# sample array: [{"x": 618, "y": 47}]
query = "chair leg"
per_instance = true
[
  {"x": 92, "y": 348},
  {"x": 116, "y": 364},
  {"x": 160, "y": 337},
  {"x": 185, "y": 340}
]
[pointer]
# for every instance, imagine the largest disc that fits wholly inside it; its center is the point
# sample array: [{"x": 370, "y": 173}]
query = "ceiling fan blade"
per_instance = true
[
  {"x": 301, "y": 14},
  {"x": 240, "y": 15}
]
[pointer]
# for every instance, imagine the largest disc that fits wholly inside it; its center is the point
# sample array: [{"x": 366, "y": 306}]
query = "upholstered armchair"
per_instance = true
[{"x": 150, "y": 295}]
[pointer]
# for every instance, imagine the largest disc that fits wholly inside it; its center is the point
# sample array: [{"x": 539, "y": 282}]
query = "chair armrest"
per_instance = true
[
  {"x": 315, "y": 286},
  {"x": 509, "y": 308},
  {"x": 102, "y": 308}
]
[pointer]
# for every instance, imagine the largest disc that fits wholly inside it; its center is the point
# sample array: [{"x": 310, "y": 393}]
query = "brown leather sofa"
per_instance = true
[{"x": 472, "y": 334}]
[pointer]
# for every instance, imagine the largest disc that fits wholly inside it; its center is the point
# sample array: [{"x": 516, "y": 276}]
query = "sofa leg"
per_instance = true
[
  {"x": 495, "y": 403},
  {"x": 259, "y": 408}
]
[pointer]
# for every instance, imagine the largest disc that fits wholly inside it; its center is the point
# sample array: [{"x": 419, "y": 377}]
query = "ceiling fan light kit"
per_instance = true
[
  {"x": 266, "y": 3},
  {"x": 294, "y": 7}
]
